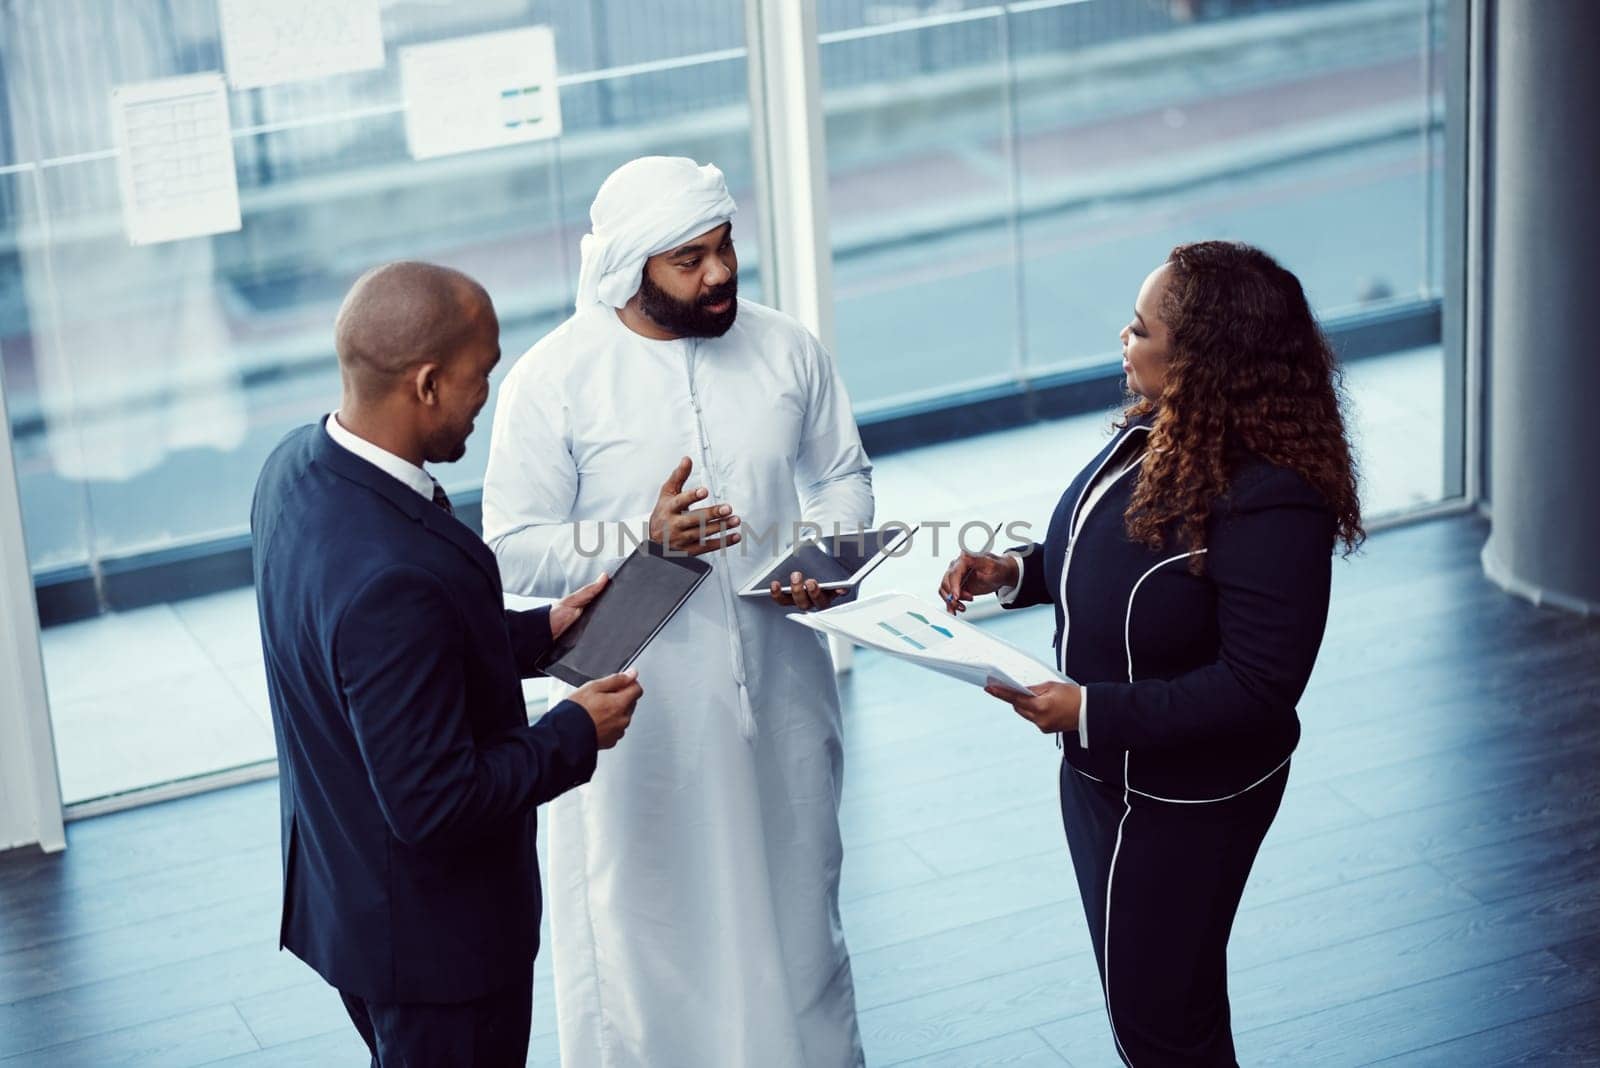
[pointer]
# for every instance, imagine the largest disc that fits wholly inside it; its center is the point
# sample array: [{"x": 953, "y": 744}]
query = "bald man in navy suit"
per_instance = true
[{"x": 408, "y": 770}]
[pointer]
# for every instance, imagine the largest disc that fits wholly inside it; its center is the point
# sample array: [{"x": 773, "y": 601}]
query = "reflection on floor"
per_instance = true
[
  {"x": 172, "y": 691},
  {"x": 157, "y": 694}
]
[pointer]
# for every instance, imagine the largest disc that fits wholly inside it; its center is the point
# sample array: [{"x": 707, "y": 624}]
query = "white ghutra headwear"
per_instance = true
[{"x": 652, "y": 204}]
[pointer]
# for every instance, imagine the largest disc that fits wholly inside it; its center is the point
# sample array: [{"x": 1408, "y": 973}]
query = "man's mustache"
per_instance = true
[{"x": 727, "y": 291}]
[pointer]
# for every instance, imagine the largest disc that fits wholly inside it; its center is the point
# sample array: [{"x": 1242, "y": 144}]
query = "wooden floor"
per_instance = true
[{"x": 1430, "y": 894}]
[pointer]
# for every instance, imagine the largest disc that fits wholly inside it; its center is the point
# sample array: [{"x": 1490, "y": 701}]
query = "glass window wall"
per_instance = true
[
  {"x": 148, "y": 383},
  {"x": 1003, "y": 176}
]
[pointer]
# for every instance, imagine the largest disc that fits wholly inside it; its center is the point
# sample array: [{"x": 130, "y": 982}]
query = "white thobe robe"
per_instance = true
[{"x": 693, "y": 883}]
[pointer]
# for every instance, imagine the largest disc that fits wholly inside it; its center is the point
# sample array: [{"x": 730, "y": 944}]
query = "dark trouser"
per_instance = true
[
  {"x": 1160, "y": 883},
  {"x": 491, "y": 1032}
]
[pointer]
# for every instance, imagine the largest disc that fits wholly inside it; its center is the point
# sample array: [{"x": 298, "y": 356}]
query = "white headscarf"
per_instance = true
[{"x": 650, "y": 205}]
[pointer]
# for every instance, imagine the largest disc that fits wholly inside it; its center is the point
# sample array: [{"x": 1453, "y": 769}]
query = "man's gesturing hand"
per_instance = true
[
  {"x": 704, "y": 530},
  {"x": 609, "y": 702}
]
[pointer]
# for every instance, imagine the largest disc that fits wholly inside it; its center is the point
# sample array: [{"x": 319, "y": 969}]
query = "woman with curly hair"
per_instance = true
[{"x": 1189, "y": 565}]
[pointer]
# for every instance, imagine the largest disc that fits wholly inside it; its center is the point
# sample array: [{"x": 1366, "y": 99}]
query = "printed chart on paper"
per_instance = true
[{"x": 175, "y": 158}]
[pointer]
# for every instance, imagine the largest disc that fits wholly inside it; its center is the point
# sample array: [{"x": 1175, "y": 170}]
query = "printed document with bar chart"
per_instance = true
[{"x": 919, "y": 631}]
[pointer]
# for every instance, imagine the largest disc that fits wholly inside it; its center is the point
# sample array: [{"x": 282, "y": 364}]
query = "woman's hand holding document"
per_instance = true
[{"x": 918, "y": 631}]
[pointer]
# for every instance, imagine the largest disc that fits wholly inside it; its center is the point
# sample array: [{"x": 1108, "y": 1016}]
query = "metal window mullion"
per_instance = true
[
  {"x": 1011, "y": 139},
  {"x": 30, "y": 790},
  {"x": 786, "y": 133},
  {"x": 791, "y": 171},
  {"x": 1472, "y": 216}
]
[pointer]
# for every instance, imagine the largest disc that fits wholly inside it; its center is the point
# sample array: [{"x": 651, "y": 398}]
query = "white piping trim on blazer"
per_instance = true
[
  {"x": 1105, "y": 947},
  {"x": 1213, "y": 800},
  {"x": 1127, "y": 644},
  {"x": 1072, "y": 534},
  {"x": 1127, "y": 620}
]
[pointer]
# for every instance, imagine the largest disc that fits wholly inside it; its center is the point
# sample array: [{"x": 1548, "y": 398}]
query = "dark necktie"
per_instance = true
[{"x": 441, "y": 498}]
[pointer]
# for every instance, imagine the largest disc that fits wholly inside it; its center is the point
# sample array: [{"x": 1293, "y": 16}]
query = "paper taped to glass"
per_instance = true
[
  {"x": 273, "y": 42},
  {"x": 484, "y": 91},
  {"x": 920, "y": 632},
  {"x": 175, "y": 158}
]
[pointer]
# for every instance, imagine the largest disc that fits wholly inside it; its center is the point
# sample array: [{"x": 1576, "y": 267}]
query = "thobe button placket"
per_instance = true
[{"x": 747, "y": 724}]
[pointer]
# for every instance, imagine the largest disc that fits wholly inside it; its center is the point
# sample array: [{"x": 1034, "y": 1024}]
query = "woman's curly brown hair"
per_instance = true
[{"x": 1249, "y": 372}]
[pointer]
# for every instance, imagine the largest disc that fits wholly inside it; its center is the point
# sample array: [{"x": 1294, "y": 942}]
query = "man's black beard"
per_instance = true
[{"x": 689, "y": 318}]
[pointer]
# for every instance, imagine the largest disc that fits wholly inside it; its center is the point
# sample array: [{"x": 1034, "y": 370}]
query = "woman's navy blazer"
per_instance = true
[{"x": 1192, "y": 679}]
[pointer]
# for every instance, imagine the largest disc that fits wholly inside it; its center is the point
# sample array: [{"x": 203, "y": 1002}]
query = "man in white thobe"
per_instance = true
[{"x": 694, "y": 883}]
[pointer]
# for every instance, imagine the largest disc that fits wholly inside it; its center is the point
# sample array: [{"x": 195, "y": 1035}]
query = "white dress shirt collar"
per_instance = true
[{"x": 402, "y": 470}]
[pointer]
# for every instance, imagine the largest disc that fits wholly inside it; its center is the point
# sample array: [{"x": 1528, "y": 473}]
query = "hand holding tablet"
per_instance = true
[
  {"x": 646, "y": 591},
  {"x": 835, "y": 564}
]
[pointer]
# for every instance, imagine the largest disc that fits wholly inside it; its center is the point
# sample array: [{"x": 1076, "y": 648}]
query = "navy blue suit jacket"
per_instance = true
[
  {"x": 408, "y": 772},
  {"x": 1192, "y": 679}
]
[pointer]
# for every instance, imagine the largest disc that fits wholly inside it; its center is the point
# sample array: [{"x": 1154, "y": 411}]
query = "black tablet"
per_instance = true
[
  {"x": 645, "y": 591},
  {"x": 836, "y": 563}
]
